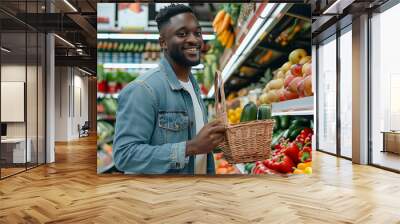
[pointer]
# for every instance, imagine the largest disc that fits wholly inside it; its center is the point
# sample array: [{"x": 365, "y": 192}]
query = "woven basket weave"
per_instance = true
[{"x": 246, "y": 141}]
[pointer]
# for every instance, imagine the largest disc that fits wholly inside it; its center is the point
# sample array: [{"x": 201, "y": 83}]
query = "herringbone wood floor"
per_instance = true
[{"x": 70, "y": 191}]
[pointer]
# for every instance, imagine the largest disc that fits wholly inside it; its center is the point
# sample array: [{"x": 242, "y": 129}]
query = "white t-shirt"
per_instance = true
[{"x": 200, "y": 159}]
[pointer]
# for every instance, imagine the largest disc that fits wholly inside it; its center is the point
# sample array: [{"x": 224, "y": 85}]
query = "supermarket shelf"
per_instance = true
[
  {"x": 300, "y": 112},
  {"x": 107, "y": 95},
  {"x": 140, "y": 36},
  {"x": 140, "y": 65},
  {"x": 262, "y": 22},
  {"x": 301, "y": 106}
]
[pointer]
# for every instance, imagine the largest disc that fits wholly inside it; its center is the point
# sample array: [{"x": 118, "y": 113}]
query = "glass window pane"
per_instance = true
[
  {"x": 13, "y": 87},
  {"x": 327, "y": 96},
  {"x": 31, "y": 97},
  {"x": 385, "y": 88},
  {"x": 41, "y": 99},
  {"x": 346, "y": 94}
]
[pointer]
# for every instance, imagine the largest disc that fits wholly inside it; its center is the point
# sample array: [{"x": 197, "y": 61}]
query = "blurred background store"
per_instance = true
[
  {"x": 356, "y": 116},
  {"x": 253, "y": 53},
  {"x": 55, "y": 76}
]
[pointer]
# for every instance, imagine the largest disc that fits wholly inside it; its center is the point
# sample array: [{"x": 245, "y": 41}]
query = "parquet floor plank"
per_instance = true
[{"x": 70, "y": 191}]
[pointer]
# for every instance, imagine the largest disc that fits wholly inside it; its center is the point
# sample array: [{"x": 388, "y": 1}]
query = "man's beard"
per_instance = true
[{"x": 180, "y": 58}]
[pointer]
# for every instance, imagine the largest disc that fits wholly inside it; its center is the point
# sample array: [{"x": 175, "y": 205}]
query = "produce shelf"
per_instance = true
[
  {"x": 301, "y": 106},
  {"x": 140, "y": 65},
  {"x": 261, "y": 22},
  {"x": 139, "y": 36}
]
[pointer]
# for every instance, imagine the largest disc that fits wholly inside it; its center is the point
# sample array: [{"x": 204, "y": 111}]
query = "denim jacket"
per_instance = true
[{"x": 155, "y": 118}]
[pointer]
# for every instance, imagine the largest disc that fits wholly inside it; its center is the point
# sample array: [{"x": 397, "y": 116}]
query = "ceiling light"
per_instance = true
[
  {"x": 134, "y": 36},
  {"x": 338, "y": 6},
  {"x": 5, "y": 50},
  {"x": 84, "y": 71},
  {"x": 70, "y": 5},
  {"x": 65, "y": 41},
  {"x": 267, "y": 9}
]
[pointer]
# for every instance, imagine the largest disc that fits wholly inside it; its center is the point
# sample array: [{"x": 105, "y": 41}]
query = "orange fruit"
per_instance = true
[
  {"x": 223, "y": 164},
  {"x": 222, "y": 171},
  {"x": 218, "y": 156},
  {"x": 298, "y": 171}
]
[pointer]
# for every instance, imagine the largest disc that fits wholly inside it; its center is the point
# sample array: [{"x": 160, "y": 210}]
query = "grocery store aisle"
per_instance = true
[{"x": 71, "y": 191}]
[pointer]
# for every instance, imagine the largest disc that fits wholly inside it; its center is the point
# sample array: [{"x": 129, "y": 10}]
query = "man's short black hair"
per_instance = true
[{"x": 166, "y": 13}]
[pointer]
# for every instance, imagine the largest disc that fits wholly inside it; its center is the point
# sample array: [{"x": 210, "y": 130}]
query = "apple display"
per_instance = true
[
  {"x": 289, "y": 95},
  {"x": 293, "y": 84},
  {"x": 296, "y": 70},
  {"x": 288, "y": 79},
  {"x": 300, "y": 88},
  {"x": 286, "y": 67},
  {"x": 308, "y": 86},
  {"x": 296, "y": 55},
  {"x": 305, "y": 60},
  {"x": 306, "y": 70},
  {"x": 280, "y": 74}
]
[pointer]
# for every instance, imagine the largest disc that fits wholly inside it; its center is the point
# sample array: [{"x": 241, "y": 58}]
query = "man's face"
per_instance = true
[{"x": 181, "y": 39}]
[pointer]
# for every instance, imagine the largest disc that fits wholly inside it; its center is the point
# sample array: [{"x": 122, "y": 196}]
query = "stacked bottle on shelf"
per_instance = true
[{"x": 128, "y": 51}]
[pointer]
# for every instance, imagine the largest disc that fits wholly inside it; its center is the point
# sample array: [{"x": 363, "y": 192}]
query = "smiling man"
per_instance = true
[{"x": 161, "y": 122}]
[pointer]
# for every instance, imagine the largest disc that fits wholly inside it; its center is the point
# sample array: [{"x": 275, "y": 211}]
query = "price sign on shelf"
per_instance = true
[
  {"x": 133, "y": 16},
  {"x": 106, "y": 16}
]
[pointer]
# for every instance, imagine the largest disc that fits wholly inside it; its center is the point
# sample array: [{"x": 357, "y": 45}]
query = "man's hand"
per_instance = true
[{"x": 208, "y": 138}]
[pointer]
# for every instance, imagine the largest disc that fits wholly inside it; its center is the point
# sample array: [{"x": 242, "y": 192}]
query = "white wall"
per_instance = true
[
  {"x": 80, "y": 110},
  {"x": 12, "y": 73},
  {"x": 70, "y": 83},
  {"x": 33, "y": 127},
  {"x": 61, "y": 103}
]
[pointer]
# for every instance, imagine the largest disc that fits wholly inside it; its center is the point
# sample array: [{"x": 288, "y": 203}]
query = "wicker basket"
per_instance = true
[{"x": 246, "y": 141}]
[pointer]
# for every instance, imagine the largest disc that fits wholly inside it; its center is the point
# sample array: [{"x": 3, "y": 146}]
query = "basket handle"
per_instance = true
[{"x": 220, "y": 107}]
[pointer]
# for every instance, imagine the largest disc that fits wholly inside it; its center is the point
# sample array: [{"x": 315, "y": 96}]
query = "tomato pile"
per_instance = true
[{"x": 287, "y": 157}]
